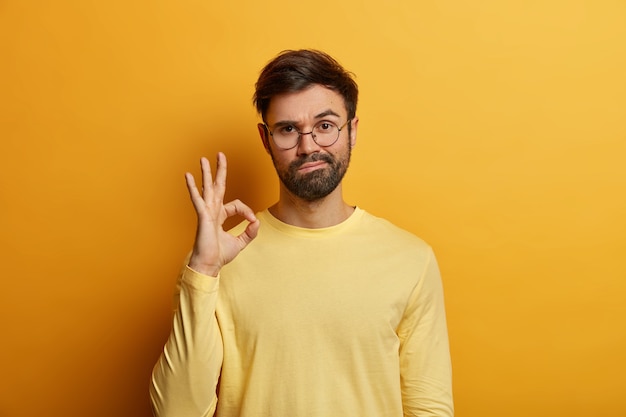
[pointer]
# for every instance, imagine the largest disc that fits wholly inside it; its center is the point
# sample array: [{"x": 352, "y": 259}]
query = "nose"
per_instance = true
[{"x": 307, "y": 144}]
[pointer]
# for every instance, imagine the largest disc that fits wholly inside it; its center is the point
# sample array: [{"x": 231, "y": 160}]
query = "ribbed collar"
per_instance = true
[{"x": 266, "y": 217}]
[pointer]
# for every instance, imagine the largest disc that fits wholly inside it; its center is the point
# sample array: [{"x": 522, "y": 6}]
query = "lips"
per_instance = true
[
  {"x": 311, "y": 166},
  {"x": 312, "y": 161}
]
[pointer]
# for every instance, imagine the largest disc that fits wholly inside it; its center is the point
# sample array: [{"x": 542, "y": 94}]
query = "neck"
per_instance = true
[{"x": 328, "y": 211}]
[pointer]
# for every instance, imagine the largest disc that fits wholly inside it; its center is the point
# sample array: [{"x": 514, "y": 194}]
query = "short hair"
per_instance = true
[{"x": 296, "y": 70}]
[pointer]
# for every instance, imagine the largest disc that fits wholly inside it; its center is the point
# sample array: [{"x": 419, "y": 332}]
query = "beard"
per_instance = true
[{"x": 317, "y": 184}]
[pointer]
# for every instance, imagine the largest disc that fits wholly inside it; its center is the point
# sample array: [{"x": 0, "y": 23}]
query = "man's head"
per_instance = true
[
  {"x": 294, "y": 71},
  {"x": 308, "y": 105}
]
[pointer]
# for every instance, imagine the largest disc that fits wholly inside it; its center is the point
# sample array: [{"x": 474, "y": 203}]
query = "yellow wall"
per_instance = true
[{"x": 493, "y": 129}]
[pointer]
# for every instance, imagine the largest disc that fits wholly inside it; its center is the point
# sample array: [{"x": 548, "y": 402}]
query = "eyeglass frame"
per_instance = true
[{"x": 300, "y": 134}]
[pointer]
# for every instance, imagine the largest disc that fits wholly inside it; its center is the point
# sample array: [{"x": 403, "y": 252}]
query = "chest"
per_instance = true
[{"x": 337, "y": 294}]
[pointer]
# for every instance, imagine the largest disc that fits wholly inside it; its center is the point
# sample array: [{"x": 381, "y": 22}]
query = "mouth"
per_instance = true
[{"x": 312, "y": 166}]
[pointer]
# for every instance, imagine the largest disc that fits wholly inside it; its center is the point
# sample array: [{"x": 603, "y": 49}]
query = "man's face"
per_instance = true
[{"x": 309, "y": 171}]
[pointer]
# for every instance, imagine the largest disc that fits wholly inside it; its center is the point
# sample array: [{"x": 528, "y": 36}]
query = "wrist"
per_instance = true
[{"x": 204, "y": 268}]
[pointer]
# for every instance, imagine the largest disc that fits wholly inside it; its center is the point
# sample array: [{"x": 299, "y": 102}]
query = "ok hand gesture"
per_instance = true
[{"x": 214, "y": 247}]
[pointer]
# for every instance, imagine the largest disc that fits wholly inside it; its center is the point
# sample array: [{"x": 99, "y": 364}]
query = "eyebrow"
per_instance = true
[
  {"x": 321, "y": 115},
  {"x": 328, "y": 112}
]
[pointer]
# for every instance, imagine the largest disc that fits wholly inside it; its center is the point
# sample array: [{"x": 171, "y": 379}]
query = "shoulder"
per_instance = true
[{"x": 390, "y": 232}]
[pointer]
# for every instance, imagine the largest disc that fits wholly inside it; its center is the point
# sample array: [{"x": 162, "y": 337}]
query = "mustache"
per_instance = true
[{"x": 312, "y": 158}]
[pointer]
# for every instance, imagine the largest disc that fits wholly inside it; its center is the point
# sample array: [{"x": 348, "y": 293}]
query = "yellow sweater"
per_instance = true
[{"x": 342, "y": 321}]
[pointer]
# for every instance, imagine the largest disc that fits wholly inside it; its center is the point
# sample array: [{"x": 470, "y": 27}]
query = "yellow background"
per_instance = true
[{"x": 493, "y": 129}]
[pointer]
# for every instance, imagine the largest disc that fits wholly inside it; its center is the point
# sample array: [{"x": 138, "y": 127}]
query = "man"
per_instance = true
[{"x": 312, "y": 307}]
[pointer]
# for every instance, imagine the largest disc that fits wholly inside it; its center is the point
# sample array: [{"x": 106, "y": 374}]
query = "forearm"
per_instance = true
[
  {"x": 186, "y": 375},
  {"x": 426, "y": 372}
]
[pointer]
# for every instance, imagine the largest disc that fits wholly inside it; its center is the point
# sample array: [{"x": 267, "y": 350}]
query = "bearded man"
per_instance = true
[{"x": 312, "y": 307}]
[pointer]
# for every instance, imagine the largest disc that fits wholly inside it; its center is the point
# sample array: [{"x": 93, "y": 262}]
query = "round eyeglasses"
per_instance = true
[{"x": 324, "y": 133}]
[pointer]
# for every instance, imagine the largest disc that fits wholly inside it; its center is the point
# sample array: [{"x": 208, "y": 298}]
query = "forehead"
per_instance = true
[{"x": 305, "y": 105}]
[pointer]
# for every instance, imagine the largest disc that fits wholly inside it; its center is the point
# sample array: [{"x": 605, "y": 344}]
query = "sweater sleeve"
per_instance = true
[
  {"x": 185, "y": 378},
  {"x": 425, "y": 368}
]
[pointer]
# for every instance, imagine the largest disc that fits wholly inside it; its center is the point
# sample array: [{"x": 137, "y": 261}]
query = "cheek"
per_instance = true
[
  {"x": 341, "y": 152},
  {"x": 280, "y": 160}
]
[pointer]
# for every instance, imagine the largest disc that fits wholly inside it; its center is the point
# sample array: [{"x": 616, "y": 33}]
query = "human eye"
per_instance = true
[
  {"x": 325, "y": 127},
  {"x": 287, "y": 130}
]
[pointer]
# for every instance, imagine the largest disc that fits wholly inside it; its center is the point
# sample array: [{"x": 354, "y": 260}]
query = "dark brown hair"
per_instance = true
[{"x": 293, "y": 71}]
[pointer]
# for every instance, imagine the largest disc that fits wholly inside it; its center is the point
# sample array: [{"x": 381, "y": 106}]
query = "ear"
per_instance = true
[
  {"x": 265, "y": 136},
  {"x": 354, "y": 124}
]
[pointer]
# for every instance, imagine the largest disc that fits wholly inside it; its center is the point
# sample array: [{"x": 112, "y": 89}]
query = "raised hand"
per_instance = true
[{"x": 214, "y": 247}]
